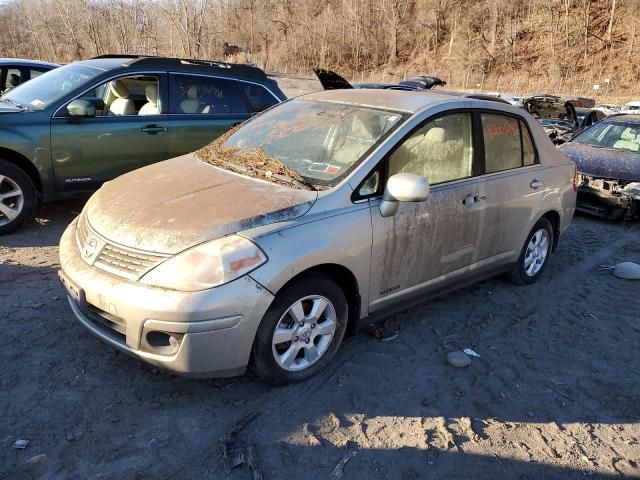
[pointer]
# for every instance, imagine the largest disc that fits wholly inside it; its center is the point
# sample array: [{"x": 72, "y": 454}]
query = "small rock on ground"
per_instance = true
[{"x": 458, "y": 359}]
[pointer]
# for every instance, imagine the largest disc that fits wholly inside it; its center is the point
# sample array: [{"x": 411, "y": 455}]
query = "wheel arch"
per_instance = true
[
  {"x": 346, "y": 280},
  {"x": 24, "y": 164},
  {"x": 554, "y": 217}
]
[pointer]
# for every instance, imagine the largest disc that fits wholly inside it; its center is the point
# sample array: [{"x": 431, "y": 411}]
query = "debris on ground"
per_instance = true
[
  {"x": 236, "y": 452},
  {"x": 458, "y": 359},
  {"x": 338, "y": 471},
  {"x": 38, "y": 458},
  {"x": 385, "y": 331},
  {"x": 471, "y": 353},
  {"x": 627, "y": 271},
  {"x": 21, "y": 444}
]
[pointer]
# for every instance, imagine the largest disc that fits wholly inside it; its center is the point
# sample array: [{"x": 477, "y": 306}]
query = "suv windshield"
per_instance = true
[
  {"x": 617, "y": 135},
  {"x": 314, "y": 142},
  {"x": 46, "y": 89}
]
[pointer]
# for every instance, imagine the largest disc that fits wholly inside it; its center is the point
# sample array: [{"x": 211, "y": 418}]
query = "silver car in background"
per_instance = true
[{"x": 319, "y": 216}]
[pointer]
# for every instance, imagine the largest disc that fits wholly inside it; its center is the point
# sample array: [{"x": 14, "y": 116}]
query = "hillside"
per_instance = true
[{"x": 551, "y": 45}]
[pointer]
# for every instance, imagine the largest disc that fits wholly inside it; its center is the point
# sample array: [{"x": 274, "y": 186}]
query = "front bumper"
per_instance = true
[{"x": 205, "y": 334}]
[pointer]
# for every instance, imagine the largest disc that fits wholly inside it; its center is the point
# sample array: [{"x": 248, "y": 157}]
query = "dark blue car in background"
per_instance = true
[
  {"x": 14, "y": 71},
  {"x": 608, "y": 158}
]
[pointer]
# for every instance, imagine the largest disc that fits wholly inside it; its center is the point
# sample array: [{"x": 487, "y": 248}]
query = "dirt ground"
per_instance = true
[{"x": 555, "y": 393}]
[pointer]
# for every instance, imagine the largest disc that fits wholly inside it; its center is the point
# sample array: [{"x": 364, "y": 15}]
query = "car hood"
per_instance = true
[
  {"x": 551, "y": 107},
  {"x": 604, "y": 162},
  {"x": 173, "y": 205}
]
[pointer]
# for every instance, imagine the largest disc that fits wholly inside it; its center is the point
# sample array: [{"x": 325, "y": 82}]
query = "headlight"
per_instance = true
[{"x": 208, "y": 265}]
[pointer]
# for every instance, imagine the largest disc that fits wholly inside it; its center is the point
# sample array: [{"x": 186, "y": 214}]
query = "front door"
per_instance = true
[
  {"x": 128, "y": 132},
  {"x": 202, "y": 109},
  {"x": 425, "y": 244}
]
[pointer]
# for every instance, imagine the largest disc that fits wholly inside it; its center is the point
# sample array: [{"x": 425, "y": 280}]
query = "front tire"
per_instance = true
[
  {"x": 18, "y": 197},
  {"x": 535, "y": 254},
  {"x": 301, "y": 331}
]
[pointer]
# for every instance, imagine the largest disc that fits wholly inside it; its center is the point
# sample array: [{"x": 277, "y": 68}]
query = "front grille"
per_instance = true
[
  {"x": 126, "y": 262},
  {"x": 117, "y": 259},
  {"x": 82, "y": 231}
]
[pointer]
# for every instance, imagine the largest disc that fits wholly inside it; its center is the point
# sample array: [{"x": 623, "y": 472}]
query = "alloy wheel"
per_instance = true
[
  {"x": 11, "y": 200},
  {"x": 304, "y": 333},
  {"x": 537, "y": 251}
]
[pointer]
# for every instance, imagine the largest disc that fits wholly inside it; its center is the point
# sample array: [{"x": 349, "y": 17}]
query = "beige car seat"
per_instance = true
[
  {"x": 151, "y": 107},
  {"x": 628, "y": 140},
  {"x": 191, "y": 104},
  {"x": 365, "y": 131},
  {"x": 122, "y": 105}
]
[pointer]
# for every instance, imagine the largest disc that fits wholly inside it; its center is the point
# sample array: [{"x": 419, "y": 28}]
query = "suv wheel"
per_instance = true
[
  {"x": 301, "y": 331},
  {"x": 18, "y": 197},
  {"x": 535, "y": 254}
]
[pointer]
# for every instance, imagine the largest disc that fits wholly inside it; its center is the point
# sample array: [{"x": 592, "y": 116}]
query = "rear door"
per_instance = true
[
  {"x": 426, "y": 244},
  {"x": 121, "y": 137},
  {"x": 514, "y": 182},
  {"x": 201, "y": 108}
]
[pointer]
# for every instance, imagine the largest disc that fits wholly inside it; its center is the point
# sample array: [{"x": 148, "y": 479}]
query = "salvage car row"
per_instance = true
[{"x": 265, "y": 248}]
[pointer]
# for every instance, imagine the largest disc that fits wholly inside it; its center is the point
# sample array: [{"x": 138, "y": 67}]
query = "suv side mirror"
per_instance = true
[
  {"x": 81, "y": 108},
  {"x": 403, "y": 187}
]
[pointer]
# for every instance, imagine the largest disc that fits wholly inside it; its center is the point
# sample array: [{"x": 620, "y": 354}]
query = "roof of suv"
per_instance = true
[
  {"x": 27, "y": 62},
  {"x": 405, "y": 101},
  {"x": 109, "y": 62}
]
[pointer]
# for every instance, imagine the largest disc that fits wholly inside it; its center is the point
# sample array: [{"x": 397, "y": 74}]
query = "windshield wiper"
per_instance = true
[{"x": 13, "y": 102}]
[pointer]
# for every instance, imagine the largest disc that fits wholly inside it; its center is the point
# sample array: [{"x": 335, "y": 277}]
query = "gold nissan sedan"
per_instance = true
[{"x": 319, "y": 216}]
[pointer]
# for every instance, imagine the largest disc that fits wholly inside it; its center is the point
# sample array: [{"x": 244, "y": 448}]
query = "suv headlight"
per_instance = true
[{"x": 207, "y": 265}]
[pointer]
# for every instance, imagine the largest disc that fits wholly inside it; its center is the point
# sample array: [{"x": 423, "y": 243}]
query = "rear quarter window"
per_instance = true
[{"x": 259, "y": 98}]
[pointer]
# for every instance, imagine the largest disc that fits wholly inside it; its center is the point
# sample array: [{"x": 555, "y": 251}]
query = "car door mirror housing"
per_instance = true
[
  {"x": 81, "y": 108},
  {"x": 403, "y": 187}
]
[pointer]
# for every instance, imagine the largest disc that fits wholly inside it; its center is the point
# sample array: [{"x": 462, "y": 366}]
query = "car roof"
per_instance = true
[
  {"x": 623, "y": 117},
  {"x": 110, "y": 62},
  {"x": 27, "y": 63},
  {"x": 399, "y": 100}
]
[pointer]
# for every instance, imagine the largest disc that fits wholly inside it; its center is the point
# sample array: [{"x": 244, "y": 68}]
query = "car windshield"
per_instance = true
[
  {"x": 49, "y": 87},
  {"x": 314, "y": 142},
  {"x": 617, "y": 135}
]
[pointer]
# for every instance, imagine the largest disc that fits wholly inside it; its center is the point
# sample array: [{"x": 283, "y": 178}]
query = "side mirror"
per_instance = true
[
  {"x": 403, "y": 187},
  {"x": 81, "y": 108}
]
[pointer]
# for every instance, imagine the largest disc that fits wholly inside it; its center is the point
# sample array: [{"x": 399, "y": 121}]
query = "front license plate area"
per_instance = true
[{"x": 75, "y": 292}]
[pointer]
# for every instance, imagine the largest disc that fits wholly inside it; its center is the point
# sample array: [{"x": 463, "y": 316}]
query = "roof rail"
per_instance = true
[
  {"x": 489, "y": 98},
  {"x": 236, "y": 68}
]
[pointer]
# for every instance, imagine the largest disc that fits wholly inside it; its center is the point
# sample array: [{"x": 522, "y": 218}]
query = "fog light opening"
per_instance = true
[{"x": 162, "y": 342}]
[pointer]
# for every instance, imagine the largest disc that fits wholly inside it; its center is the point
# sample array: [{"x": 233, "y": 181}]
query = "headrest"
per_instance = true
[
  {"x": 368, "y": 128},
  {"x": 118, "y": 89},
  {"x": 435, "y": 135},
  {"x": 628, "y": 134},
  {"x": 14, "y": 79},
  {"x": 192, "y": 93},
  {"x": 152, "y": 93}
]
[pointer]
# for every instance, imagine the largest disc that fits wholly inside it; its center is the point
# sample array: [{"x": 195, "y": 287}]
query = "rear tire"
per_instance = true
[
  {"x": 535, "y": 254},
  {"x": 301, "y": 331},
  {"x": 18, "y": 197}
]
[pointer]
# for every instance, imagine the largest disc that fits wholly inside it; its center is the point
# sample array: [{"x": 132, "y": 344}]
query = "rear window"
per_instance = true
[{"x": 507, "y": 143}]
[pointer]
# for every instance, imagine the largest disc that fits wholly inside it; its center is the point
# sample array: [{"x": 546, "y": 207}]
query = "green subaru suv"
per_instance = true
[{"x": 68, "y": 131}]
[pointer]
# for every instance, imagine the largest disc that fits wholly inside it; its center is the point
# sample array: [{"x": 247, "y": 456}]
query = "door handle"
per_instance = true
[
  {"x": 535, "y": 184},
  {"x": 152, "y": 129},
  {"x": 471, "y": 200}
]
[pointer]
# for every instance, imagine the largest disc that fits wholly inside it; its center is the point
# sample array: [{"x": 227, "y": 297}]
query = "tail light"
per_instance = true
[{"x": 575, "y": 178}]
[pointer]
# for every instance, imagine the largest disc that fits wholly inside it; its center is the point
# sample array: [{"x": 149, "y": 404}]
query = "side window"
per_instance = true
[
  {"x": 502, "y": 147},
  {"x": 132, "y": 95},
  {"x": 529, "y": 156},
  {"x": 440, "y": 151},
  {"x": 259, "y": 98},
  {"x": 35, "y": 73},
  {"x": 12, "y": 79},
  {"x": 191, "y": 94}
]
